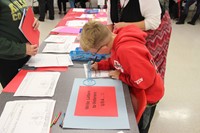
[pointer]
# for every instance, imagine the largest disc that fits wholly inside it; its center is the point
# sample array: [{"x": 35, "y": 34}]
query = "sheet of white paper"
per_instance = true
[
  {"x": 86, "y": 16},
  {"x": 76, "y": 23},
  {"x": 50, "y": 60},
  {"x": 73, "y": 47},
  {"x": 27, "y": 116},
  {"x": 60, "y": 38},
  {"x": 78, "y": 9},
  {"x": 97, "y": 73},
  {"x": 33, "y": 86},
  {"x": 60, "y": 47}
]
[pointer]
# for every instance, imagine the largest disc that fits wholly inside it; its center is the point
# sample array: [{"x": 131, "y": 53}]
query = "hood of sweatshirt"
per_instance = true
[{"x": 129, "y": 33}]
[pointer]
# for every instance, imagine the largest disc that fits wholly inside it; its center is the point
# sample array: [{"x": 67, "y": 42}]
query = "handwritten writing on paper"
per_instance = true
[{"x": 96, "y": 101}]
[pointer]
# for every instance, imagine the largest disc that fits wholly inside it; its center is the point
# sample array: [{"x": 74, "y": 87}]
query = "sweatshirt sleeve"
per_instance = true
[
  {"x": 139, "y": 72},
  {"x": 105, "y": 65},
  {"x": 11, "y": 48}
]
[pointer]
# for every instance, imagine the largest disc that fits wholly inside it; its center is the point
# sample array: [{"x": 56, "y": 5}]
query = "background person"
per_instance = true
[
  {"x": 72, "y": 3},
  {"x": 43, "y": 4},
  {"x": 148, "y": 16},
  {"x": 15, "y": 50},
  {"x": 184, "y": 13},
  {"x": 62, "y": 6}
]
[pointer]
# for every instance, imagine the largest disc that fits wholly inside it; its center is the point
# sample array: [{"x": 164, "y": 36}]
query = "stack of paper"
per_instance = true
[
  {"x": 38, "y": 87},
  {"x": 78, "y": 9},
  {"x": 30, "y": 116},
  {"x": 50, "y": 60},
  {"x": 76, "y": 23},
  {"x": 60, "y": 38},
  {"x": 60, "y": 47}
]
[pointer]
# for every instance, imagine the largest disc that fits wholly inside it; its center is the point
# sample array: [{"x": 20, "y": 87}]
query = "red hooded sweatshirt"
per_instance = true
[{"x": 130, "y": 56}]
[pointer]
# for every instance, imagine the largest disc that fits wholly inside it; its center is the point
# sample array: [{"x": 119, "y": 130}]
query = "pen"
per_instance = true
[
  {"x": 61, "y": 120},
  {"x": 95, "y": 59},
  {"x": 56, "y": 119}
]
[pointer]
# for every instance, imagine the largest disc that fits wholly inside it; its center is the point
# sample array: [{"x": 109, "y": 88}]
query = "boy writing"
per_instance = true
[{"x": 130, "y": 62}]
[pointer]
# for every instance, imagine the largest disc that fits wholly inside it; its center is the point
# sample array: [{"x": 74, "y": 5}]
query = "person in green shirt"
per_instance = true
[{"x": 15, "y": 50}]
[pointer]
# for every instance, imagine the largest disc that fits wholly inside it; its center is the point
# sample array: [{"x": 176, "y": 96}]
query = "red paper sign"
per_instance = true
[{"x": 96, "y": 101}]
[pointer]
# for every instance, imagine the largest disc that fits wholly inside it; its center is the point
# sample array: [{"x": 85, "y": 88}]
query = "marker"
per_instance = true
[
  {"x": 56, "y": 119},
  {"x": 61, "y": 120}
]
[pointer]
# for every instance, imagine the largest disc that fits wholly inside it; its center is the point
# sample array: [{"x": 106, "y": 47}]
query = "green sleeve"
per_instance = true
[{"x": 11, "y": 48}]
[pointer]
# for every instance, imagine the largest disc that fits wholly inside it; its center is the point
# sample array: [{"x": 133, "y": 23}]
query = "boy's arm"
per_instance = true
[
  {"x": 105, "y": 65},
  {"x": 139, "y": 72}
]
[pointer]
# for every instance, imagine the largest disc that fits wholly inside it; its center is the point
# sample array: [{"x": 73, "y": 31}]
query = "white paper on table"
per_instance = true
[
  {"x": 27, "y": 116},
  {"x": 78, "y": 9},
  {"x": 60, "y": 47},
  {"x": 44, "y": 86},
  {"x": 86, "y": 16},
  {"x": 97, "y": 73},
  {"x": 76, "y": 23},
  {"x": 60, "y": 38},
  {"x": 50, "y": 60}
]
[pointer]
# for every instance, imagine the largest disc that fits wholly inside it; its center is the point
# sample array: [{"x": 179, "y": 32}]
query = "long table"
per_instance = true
[{"x": 62, "y": 95}]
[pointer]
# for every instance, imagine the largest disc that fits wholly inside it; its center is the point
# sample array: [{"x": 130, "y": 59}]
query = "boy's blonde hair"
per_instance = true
[{"x": 93, "y": 35}]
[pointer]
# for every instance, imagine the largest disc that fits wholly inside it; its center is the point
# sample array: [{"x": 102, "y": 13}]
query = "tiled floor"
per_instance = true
[{"x": 179, "y": 110}]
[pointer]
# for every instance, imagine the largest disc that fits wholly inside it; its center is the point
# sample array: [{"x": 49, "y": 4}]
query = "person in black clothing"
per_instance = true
[
  {"x": 186, "y": 10},
  {"x": 62, "y": 4},
  {"x": 175, "y": 7},
  {"x": 15, "y": 49},
  {"x": 42, "y": 9}
]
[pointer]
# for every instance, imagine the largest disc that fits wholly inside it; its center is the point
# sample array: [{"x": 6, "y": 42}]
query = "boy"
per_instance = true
[{"x": 131, "y": 63}]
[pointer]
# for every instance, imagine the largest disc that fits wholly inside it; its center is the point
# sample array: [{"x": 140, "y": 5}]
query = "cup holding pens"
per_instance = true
[{"x": 89, "y": 81}]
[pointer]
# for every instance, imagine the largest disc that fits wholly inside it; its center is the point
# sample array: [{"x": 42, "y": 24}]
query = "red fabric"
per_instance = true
[
  {"x": 158, "y": 43},
  {"x": 139, "y": 102},
  {"x": 130, "y": 56}
]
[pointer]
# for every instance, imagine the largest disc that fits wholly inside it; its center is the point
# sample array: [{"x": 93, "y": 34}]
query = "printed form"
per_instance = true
[
  {"x": 60, "y": 47},
  {"x": 60, "y": 38},
  {"x": 97, "y": 73},
  {"x": 27, "y": 116},
  {"x": 50, "y": 60},
  {"x": 38, "y": 87}
]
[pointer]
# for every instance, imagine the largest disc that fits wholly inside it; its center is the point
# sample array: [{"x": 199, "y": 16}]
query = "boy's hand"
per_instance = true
[
  {"x": 114, "y": 74},
  {"x": 94, "y": 66}
]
